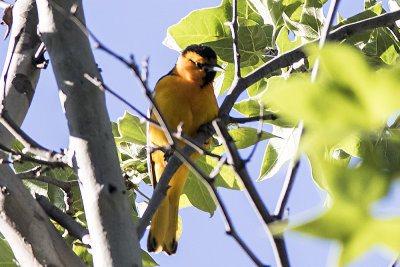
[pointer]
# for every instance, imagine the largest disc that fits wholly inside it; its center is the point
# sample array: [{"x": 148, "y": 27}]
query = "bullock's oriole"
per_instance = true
[{"x": 185, "y": 97}]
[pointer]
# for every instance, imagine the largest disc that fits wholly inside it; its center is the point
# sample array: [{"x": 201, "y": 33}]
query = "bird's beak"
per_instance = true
[{"x": 213, "y": 68}]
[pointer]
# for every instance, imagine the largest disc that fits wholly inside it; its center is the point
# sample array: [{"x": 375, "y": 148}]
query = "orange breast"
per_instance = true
[{"x": 182, "y": 102}]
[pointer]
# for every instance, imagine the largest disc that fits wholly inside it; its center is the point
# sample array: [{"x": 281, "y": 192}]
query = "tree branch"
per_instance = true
[
  {"x": 113, "y": 238},
  {"x": 59, "y": 159},
  {"x": 239, "y": 167},
  {"x": 324, "y": 35},
  {"x": 295, "y": 55},
  {"x": 233, "y": 25},
  {"x": 267, "y": 117},
  {"x": 31, "y": 234},
  {"x": 64, "y": 185},
  {"x": 162, "y": 186},
  {"x": 74, "y": 229}
]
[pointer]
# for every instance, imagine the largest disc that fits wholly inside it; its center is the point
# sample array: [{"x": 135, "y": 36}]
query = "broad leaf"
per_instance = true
[
  {"x": 131, "y": 130},
  {"x": 6, "y": 254},
  {"x": 279, "y": 150}
]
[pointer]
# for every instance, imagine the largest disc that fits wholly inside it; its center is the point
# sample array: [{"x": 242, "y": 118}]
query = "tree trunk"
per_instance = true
[
  {"x": 33, "y": 238},
  {"x": 112, "y": 232}
]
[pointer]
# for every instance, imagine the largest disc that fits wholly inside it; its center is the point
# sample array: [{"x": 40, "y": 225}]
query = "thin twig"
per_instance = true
[
  {"x": 74, "y": 229},
  {"x": 239, "y": 167},
  {"x": 266, "y": 117},
  {"x": 238, "y": 164},
  {"x": 160, "y": 190},
  {"x": 4, "y": 4},
  {"x": 18, "y": 157},
  {"x": 259, "y": 134},
  {"x": 182, "y": 137},
  {"x": 103, "y": 87},
  {"x": 324, "y": 35},
  {"x": 64, "y": 185},
  {"x": 230, "y": 230},
  {"x": 29, "y": 144},
  {"x": 286, "y": 189},
  {"x": 233, "y": 25}
]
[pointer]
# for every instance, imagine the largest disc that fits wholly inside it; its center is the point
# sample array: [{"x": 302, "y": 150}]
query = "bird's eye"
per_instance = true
[{"x": 198, "y": 64}]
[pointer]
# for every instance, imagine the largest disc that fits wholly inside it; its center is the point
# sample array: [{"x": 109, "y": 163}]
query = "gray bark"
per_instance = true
[
  {"x": 32, "y": 237},
  {"x": 112, "y": 232}
]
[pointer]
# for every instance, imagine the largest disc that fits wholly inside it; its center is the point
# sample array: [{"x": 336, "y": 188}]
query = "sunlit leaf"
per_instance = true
[
  {"x": 147, "y": 260},
  {"x": 131, "y": 130},
  {"x": 198, "y": 194},
  {"x": 345, "y": 99},
  {"x": 244, "y": 137},
  {"x": 6, "y": 255},
  {"x": 279, "y": 151}
]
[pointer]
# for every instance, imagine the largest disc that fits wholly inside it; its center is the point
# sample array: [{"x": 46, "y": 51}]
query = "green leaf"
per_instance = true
[
  {"x": 198, "y": 194},
  {"x": 355, "y": 145},
  {"x": 147, "y": 260},
  {"x": 244, "y": 137},
  {"x": 84, "y": 254},
  {"x": 6, "y": 255},
  {"x": 284, "y": 43},
  {"x": 207, "y": 26},
  {"x": 279, "y": 151},
  {"x": 226, "y": 177},
  {"x": 249, "y": 107},
  {"x": 300, "y": 29},
  {"x": 131, "y": 130},
  {"x": 313, "y": 15},
  {"x": 382, "y": 46},
  {"x": 279, "y": 8},
  {"x": 201, "y": 26},
  {"x": 352, "y": 192},
  {"x": 394, "y": 5},
  {"x": 345, "y": 99}
]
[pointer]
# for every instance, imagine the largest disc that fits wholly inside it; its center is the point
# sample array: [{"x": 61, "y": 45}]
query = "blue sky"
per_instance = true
[{"x": 138, "y": 27}]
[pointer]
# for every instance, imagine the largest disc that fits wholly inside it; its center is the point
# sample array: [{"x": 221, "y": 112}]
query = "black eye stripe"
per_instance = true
[{"x": 198, "y": 64}]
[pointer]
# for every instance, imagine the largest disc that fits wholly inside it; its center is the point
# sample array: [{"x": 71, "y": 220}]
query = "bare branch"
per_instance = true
[
  {"x": 180, "y": 136},
  {"x": 30, "y": 145},
  {"x": 31, "y": 234},
  {"x": 64, "y": 185},
  {"x": 103, "y": 87},
  {"x": 325, "y": 31},
  {"x": 259, "y": 134},
  {"x": 21, "y": 157},
  {"x": 162, "y": 186},
  {"x": 286, "y": 189},
  {"x": 267, "y": 117},
  {"x": 4, "y": 4},
  {"x": 239, "y": 167},
  {"x": 74, "y": 229},
  {"x": 233, "y": 25}
]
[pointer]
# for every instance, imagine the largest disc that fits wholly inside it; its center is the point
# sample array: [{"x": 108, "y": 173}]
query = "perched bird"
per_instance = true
[{"x": 185, "y": 97}]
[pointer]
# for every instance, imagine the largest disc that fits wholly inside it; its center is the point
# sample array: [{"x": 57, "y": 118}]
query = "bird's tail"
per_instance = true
[{"x": 164, "y": 226}]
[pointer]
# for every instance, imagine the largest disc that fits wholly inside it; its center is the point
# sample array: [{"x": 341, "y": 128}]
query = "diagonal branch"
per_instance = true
[
  {"x": 324, "y": 34},
  {"x": 64, "y": 185},
  {"x": 238, "y": 164},
  {"x": 295, "y": 55},
  {"x": 30, "y": 145},
  {"x": 160, "y": 190},
  {"x": 266, "y": 117},
  {"x": 74, "y": 229}
]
